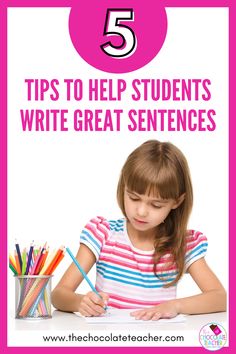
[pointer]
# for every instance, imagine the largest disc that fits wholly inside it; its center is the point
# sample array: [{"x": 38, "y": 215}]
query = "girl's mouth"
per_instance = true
[{"x": 140, "y": 221}]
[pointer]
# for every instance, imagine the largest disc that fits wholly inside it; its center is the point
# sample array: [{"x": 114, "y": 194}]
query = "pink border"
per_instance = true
[{"x": 3, "y": 169}]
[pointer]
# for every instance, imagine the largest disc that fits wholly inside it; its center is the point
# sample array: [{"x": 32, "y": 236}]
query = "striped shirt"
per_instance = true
[{"x": 125, "y": 272}]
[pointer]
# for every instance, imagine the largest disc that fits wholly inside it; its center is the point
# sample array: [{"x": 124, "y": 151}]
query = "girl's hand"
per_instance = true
[
  {"x": 93, "y": 305},
  {"x": 165, "y": 310}
]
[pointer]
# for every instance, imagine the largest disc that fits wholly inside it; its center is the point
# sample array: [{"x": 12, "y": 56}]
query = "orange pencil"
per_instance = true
[
  {"x": 48, "y": 261},
  {"x": 54, "y": 260},
  {"x": 57, "y": 262}
]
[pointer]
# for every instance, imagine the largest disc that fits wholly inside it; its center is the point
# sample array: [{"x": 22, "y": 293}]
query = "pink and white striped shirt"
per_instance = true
[{"x": 125, "y": 272}]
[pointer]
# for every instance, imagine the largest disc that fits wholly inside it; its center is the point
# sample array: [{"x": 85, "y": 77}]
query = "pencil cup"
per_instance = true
[{"x": 33, "y": 296}]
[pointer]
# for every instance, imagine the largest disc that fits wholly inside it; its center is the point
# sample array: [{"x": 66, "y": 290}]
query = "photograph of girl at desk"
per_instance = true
[{"x": 141, "y": 258}]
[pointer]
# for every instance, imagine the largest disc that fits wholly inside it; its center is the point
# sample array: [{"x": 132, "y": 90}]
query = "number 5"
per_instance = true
[{"x": 113, "y": 27}]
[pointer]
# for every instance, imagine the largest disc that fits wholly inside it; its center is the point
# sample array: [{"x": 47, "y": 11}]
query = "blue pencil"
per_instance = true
[{"x": 83, "y": 273}]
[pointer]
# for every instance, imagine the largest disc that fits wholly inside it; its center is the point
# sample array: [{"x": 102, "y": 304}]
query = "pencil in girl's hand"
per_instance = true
[
  {"x": 81, "y": 270},
  {"x": 83, "y": 273}
]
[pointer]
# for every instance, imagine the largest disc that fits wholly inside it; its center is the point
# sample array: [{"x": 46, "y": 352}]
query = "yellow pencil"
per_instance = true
[{"x": 13, "y": 261}]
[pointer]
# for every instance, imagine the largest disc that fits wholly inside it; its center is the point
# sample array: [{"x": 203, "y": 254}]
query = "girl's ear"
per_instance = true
[{"x": 179, "y": 201}]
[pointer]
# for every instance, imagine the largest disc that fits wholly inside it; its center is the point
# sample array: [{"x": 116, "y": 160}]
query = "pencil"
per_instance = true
[
  {"x": 40, "y": 259},
  {"x": 48, "y": 270},
  {"x": 19, "y": 255},
  {"x": 13, "y": 269},
  {"x": 43, "y": 260},
  {"x": 47, "y": 262},
  {"x": 24, "y": 261},
  {"x": 32, "y": 271},
  {"x": 59, "y": 259},
  {"x": 13, "y": 261},
  {"x": 29, "y": 259},
  {"x": 83, "y": 273},
  {"x": 18, "y": 269}
]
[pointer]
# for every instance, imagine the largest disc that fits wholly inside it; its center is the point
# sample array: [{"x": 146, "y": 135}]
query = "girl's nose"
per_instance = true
[{"x": 142, "y": 210}]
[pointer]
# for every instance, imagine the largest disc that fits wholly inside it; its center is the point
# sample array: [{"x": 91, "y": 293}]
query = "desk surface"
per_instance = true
[
  {"x": 69, "y": 321},
  {"x": 69, "y": 325}
]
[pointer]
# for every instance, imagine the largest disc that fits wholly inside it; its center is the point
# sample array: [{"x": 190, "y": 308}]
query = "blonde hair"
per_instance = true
[{"x": 160, "y": 168}]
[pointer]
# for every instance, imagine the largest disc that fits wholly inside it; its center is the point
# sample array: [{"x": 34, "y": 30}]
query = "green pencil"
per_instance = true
[
  {"x": 23, "y": 261},
  {"x": 13, "y": 269}
]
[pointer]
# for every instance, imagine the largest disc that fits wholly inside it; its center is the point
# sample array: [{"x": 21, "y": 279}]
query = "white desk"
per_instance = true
[
  {"x": 64, "y": 321},
  {"x": 31, "y": 332}
]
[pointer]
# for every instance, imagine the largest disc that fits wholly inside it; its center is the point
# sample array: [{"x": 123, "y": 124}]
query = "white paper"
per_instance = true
[{"x": 123, "y": 316}]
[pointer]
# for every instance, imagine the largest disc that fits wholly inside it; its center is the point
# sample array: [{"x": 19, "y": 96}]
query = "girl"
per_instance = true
[{"x": 141, "y": 257}]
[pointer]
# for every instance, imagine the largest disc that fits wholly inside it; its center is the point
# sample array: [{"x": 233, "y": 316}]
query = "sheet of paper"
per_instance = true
[{"x": 123, "y": 316}]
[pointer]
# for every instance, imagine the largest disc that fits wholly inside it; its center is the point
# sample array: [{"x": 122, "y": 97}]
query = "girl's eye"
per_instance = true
[
  {"x": 133, "y": 198},
  {"x": 156, "y": 206}
]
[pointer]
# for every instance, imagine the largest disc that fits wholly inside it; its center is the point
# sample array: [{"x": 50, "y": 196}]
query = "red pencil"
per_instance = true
[
  {"x": 43, "y": 260},
  {"x": 39, "y": 263}
]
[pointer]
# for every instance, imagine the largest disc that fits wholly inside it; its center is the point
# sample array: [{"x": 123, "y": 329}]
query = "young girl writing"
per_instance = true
[{"x": 141, "y": 257}]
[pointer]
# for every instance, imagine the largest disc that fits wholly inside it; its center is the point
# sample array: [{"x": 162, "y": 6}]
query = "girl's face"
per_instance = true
[{"x": 145, "y": 212}]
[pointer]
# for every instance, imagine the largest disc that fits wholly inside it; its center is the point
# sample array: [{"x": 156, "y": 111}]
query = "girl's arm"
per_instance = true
[
  {"x": 64, "y": 297},
  {"x": 212, "y": 298}
]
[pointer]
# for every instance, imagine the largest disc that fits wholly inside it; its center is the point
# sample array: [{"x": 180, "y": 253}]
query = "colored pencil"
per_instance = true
[
  {"x": 23, "y": 261},
  {"x": 19, "y": 254},
  {"x": 83, "y": 273},
  {"x": 12, "y": 260},
  {"x": 34, "y": 298},
  {"x": 48, "y": 261},
  {"x": 59, "y": 259},
  {"x": 13, "y": 269},
  {"x": 18, "y": 268},
  {"x": 32, "y": 271},
  {"x": 29, "y": 259},
  {"x": 43, "y": 260},
  {"x": 39, "y": 263},
  {"x": 48, "y": 270}
]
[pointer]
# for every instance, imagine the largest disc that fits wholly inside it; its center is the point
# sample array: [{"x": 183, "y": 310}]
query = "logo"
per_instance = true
[{"x": 213, "y": 336}]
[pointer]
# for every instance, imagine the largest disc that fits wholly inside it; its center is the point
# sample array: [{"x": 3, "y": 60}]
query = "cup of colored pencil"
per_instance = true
[{"x": 33, "y": 270}]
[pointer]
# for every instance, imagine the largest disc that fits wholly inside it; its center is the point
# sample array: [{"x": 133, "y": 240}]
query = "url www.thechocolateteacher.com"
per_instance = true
[{"x": 113, "y": 338}]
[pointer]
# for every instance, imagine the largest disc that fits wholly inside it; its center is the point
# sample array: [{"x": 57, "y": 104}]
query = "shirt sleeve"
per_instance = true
[
  {"x": 196, "y": 247},
  {"x": 95, "y": 234}
]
